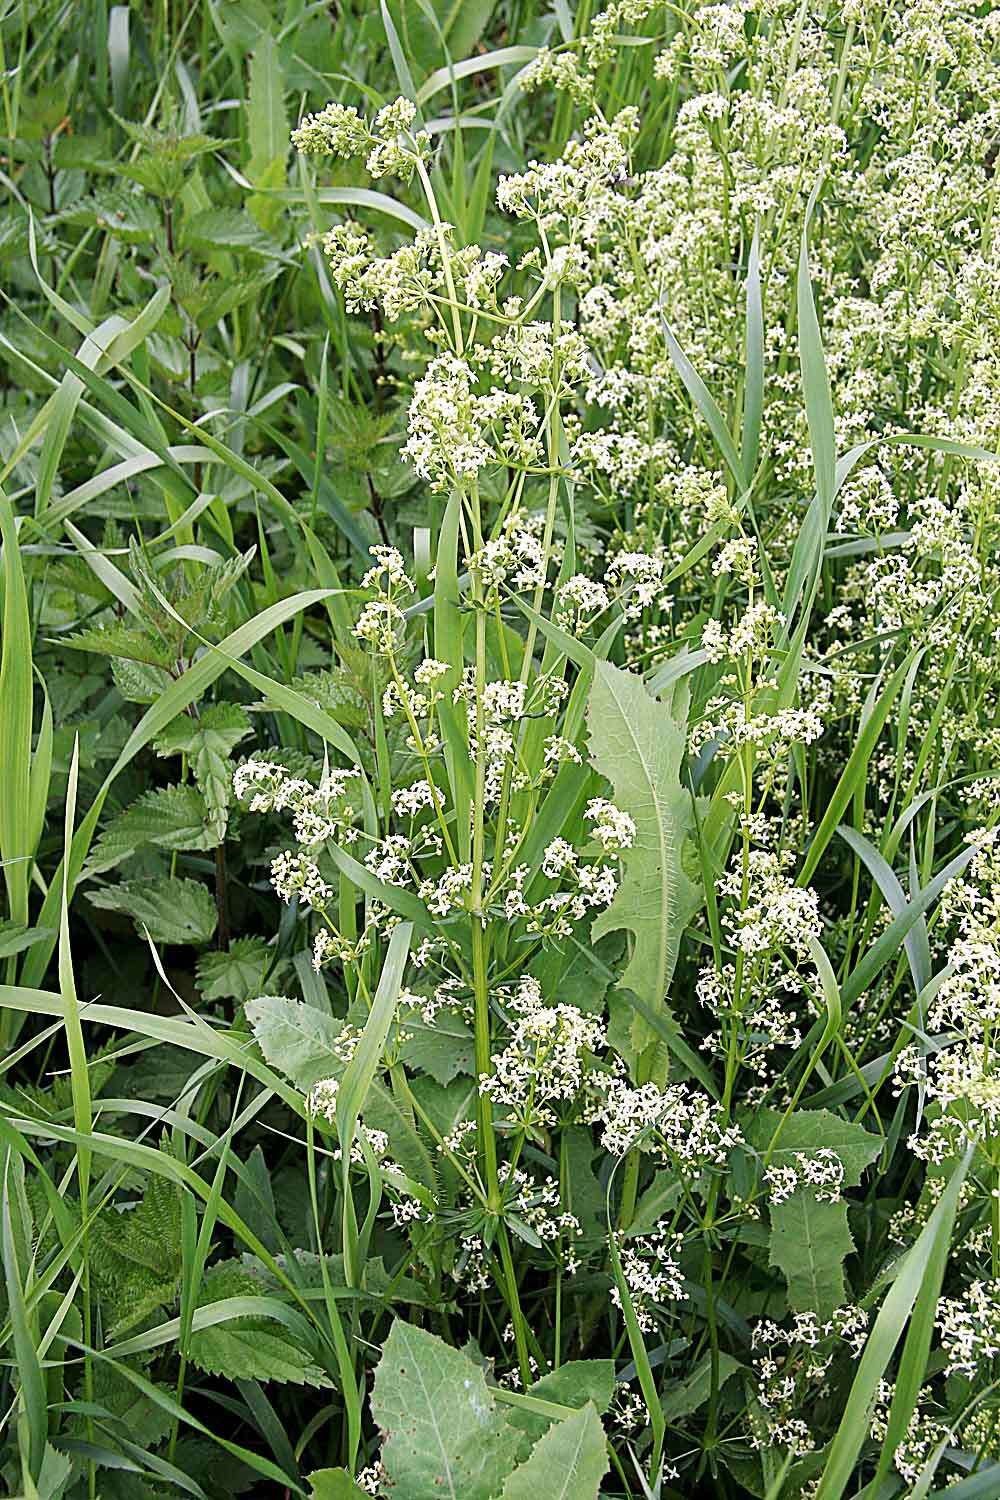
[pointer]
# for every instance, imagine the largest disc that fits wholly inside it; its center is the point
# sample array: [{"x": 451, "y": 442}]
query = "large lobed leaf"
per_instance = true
[
  {"x": 568, "y": 1463},
  {"x": 638, "y": 745},
  {"x": 442, "y": 1433}
]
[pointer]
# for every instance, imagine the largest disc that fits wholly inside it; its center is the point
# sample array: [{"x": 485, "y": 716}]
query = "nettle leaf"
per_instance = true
[
  {"x": 129, "y": 216},
  {"x": 248, "y": 1346},
  {"x": 568, "y": 1463},
  {"x": 638, "y": 745},
  {"x": 170, "y": 909},
  {"x": 15, "y": 937},
  {"x": 121, "y": 641},
  {"x": 209, "y": 742},
  {"x": 806, "y": 1131},
  {"x": 810, "y": 1240},
  {"x": 172, "y": 817},
  {"x": 139, "y": 683},
  {"x": 135, "y": 1255},
  {"x": 250, "y": 1349},
  {"x": 442, "y": 1432},
  {"x": 239, "y": 974}
]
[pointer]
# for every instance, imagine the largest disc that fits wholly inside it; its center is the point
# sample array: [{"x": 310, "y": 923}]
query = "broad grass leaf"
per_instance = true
[
  {"x": 267, "y": 122},
  {"x": 16, "y": 1230},
  {"x": 567, "y": 1463},
  {"x": 442, "y": 1433},
  {"x": 638, "y": 745},
  {"x": 16, "y": 691}
]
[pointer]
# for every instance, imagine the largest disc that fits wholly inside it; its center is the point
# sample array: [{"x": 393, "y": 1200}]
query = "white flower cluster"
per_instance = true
[
  {"x": 680, "y": 1124},
  {"x": 454, "y": 432},
  {"x": 652, "y": 1273},
  {"x": 318, "y": 812},
  {"x": 539, "y": 1073},
  {"x": 821, "y": 1171},
  {"x": 791, "y": 1364},
  {"x": 923, "y": 1434},
  {"x": 969, "y": 1327},
  {"x": 391, "y": 147}
]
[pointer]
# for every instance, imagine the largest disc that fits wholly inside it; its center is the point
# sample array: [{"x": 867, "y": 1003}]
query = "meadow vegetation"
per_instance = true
[{"x": 500, "y": 913}]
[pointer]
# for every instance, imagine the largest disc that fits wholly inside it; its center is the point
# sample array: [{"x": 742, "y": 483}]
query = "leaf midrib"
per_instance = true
[{"x": 660, "y": 833}]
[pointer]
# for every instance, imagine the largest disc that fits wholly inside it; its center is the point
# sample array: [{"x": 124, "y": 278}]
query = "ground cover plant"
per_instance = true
[{"x": 499, "y": 749}]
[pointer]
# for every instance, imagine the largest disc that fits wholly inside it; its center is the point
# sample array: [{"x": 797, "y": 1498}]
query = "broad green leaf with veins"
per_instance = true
[
  {"x": 568, "y": 1463},
  {"x": 443, "y": 1434},
  {"x": 807, "y": 1131},
  {"x": 638, "y": 745},
  {"x": 810, "y": 1240},
  {"x": 170, "y": 909}
]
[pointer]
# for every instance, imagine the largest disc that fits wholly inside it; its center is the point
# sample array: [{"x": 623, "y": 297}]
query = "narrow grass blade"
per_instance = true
[{"x": 920, "y": 1263}]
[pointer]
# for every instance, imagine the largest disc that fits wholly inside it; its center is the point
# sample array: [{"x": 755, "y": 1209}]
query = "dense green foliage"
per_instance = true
[{"x": 500, "y": 921}]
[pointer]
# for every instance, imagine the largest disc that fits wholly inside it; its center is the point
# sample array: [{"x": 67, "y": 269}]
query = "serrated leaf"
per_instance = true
[
  {"x": 810, "y": 1240},
  {"x": 811, "y": 1130},
  {"x": 209, "y": 742},
  {"x": 131, "y": 217},
  {"x": 638, "y": 745},
  {"x": 296, "y": 1039},
  {"x": 217, "y": 229},
  {"x": 443, "y": 1050},
  {"x": 15, "y": 937},
  {"x": 137, "y": 682},
  {"x": 442, "y": 1433},
  {"x": 568, "y": 1463},
  {"x": 239, "y": 974},
  {"x": 135, "y": 1255},
  {"x": 246, "y": 1350},
  {"x": 173, "y": 817},
  {"x": 120, "y": 641},
  {"x": 170, "y": 909}
]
